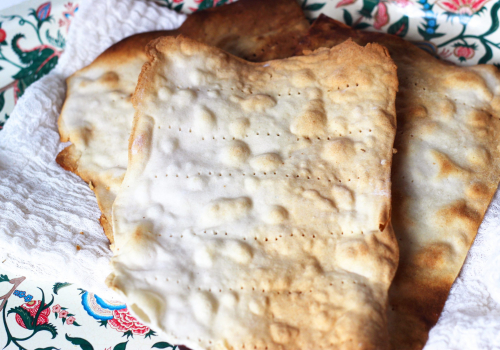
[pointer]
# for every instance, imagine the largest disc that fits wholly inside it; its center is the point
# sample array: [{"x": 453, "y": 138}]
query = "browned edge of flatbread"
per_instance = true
[
  {"x": 250, "y": 29},
  {"x": 416, "y": 301}
]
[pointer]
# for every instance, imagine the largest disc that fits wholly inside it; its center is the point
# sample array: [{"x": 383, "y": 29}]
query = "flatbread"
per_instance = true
[
  {"x": 97, "y": 114},
  {"x": 444, "y": 174},
  {"x": 255, "y": 210}
]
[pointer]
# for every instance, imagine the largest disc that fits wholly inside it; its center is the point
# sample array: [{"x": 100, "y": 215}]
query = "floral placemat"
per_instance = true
[
  {"x": 45, "y": 315},
  {"x": 32, "y": 37}
]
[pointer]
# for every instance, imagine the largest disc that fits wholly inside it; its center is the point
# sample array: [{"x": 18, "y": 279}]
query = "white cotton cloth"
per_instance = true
[{"x": 43, "y": 208}]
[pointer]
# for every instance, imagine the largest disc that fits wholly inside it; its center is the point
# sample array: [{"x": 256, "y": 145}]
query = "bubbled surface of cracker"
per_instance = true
[
  {"x": 444, "y": 174},
  {"x": 97, "y": 113},
  {"x": 255, "y": 209}
]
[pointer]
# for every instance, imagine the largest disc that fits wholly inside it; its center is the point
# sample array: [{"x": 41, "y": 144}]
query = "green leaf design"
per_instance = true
[
  {"x": 426, "y": 36},
  {"x": 4, "y": 278},
  {"x": 361, "y": 25},
  {"x": 60, "y": 42},
  {"x": 347, "y": 18},
  {"x": 400, "y": 27},
  {"x": 178, "y": 8},
  {"x": 76, "y": 324},
  {"x": 150, "y": 334},
  {"x": 49, "y": 348},
  {"x": 494, "y": 19},
  {"x": 368, "y": 6},
  {"x": 38, "y": 63},
  {"x": 314, "y": 7},
  {"x": 84, "y": 345},
  {"x": 103, "y": 323},
  {"x": 121, "y": 346},
  {"x": 42, "y": 307},
  {"x": 2, "y": 104},
  {"x": 26, "y": 57},
  {"x": 128, "y": 334},
  {"x": 47, "y": 327},
  {"x": 2, "y": 123},
  {"x": 25, "y": 316},
  {"x": 28, "y": 75},
  {"x": 488, "y": 55},
  {"x": 205, "y": 4},
  {"x": 162, "y": 345}
]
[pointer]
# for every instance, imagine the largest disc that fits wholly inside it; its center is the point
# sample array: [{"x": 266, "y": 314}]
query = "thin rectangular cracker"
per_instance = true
[
  {"x": 255, "y": 209},
  {"x": 97, "y": 113},
  {"x": 444, "y": 174}
]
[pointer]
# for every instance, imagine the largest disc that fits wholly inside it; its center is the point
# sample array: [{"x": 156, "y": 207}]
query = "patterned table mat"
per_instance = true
[{"x": 71, "y": 318}]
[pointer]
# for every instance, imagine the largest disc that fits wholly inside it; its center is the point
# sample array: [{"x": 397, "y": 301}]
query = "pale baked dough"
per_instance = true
[
  {"x": 97, "y": 113},
  {"x": 255, "y": 211},
  {"x": 444, "y": 175}
]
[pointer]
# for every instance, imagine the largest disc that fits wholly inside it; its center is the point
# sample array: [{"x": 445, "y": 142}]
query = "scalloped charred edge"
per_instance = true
[{"x": 68, "y": 159}]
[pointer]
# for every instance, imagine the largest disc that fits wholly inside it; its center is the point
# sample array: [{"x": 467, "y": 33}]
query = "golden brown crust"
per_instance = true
[
  {"x": 313, "y": 135},
  {"x": 68, "y": 159},
  {"x": 440, "y": 194},
  {"x": 250, "y": 29}
]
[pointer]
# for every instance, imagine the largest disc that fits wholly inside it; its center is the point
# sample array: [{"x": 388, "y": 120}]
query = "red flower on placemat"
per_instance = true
[
  {"x": 463, "y": 9},
  {"x": 381, "y": 16},
  {"x": 123, "y": 321},
  {"x": 464, "y": 52},
  {"x": 70, "y": 320},
  {"x": 43, "y": 11},
  {"x": 3, "y": 35},
  {"x": 344, "y": 3},
  {"x": 32, "y": 307}
]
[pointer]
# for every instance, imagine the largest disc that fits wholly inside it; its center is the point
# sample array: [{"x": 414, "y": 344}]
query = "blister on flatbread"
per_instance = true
[
  {"x": 255, "y": 211},
  {"x": 444, "y": 174},
  {"x": 97, "y": 113}
]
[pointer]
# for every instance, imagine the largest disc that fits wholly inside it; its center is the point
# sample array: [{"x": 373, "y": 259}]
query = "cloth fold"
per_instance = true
[{"x": 49, "y": 225}]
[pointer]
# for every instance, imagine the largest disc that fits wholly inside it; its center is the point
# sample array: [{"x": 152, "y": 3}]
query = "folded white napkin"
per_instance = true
[{"x": 44, "y": 209}]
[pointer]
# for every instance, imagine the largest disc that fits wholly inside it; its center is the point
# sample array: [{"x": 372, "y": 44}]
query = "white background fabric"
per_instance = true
[{"x": 43, "y": 208}]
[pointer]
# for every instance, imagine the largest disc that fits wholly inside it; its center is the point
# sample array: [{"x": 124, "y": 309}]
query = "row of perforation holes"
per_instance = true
[{"x": 265, "y": 134}]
